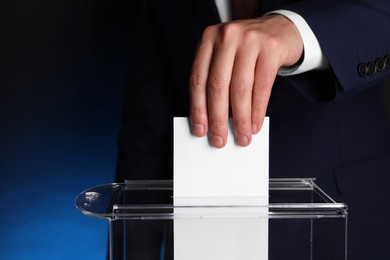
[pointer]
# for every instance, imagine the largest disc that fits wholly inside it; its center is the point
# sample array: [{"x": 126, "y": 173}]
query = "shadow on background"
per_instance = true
[{"x": 62, "y": 72}]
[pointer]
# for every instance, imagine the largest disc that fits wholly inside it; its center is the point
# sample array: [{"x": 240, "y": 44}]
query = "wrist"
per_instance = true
[{"x": 312, "y": 57}]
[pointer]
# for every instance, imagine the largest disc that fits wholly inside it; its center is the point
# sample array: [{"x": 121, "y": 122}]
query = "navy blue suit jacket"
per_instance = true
[{"x": 329, "y": 124}]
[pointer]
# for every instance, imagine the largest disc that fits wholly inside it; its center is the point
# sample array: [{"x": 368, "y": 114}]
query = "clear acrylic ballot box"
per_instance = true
[{"x": 300, "y": 222}]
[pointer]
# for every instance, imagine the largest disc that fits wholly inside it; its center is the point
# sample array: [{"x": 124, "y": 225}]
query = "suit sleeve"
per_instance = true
[{"x": 355, "y": 38}]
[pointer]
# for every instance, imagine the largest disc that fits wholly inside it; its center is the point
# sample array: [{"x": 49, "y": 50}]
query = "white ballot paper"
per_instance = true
[{"x": 220, "y": 197}]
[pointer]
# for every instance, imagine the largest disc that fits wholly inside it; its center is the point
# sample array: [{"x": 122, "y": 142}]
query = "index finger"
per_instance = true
[{"x": 198, "y": 81}]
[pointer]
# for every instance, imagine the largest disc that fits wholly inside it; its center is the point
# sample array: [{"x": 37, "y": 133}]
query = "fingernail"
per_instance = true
[
  {"x": 255, "y": 128},
  {"x": 198, "y": 129},
  {"x": 242, "y": 140},
  {"x": 216, "y": 141}
]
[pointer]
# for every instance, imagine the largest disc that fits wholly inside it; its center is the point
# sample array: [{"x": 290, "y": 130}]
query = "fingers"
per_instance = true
[
  {"x": 198, "y": 81},
  {"x": 236, "y": 65},
  {"x": 209, "y": 81},
  {"x": 241, "y": 93},
  {"x": 223, "y": 74},
  {"x": 265, "y": 74},
  {"x": 218, "y": 93}
]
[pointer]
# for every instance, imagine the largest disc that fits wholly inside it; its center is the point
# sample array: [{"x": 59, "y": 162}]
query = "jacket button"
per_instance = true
[
  {"x": 380, "y": 64},
  {"x": 371, "y": 69},
  {"x": 387, "y": 61},
  {"x": 362, "y": 69}
]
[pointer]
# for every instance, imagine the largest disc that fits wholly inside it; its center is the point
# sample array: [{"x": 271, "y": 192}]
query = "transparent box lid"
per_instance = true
[{"x": 288, "y": 198}]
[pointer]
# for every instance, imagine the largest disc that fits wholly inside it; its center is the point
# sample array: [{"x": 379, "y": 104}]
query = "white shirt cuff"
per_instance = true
[{"x": 313, "y": 59}]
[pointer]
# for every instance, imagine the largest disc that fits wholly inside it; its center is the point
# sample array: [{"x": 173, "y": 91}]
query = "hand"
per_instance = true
[{"x": 236, "y": 64}]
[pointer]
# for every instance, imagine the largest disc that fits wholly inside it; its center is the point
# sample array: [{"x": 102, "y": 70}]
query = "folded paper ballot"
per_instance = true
[{"x": 232, "y": 176}]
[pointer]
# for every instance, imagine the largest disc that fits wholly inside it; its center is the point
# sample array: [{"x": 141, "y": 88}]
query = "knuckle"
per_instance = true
[
  {"x": 272, "y": 42},
  {"x": 208, "y": 36},
  {"x": 239, "y": 88},
  {"x": 265, "y": 83},
  {"x": 241, "y": 121},
  {"x": 217, "y": 125},
  {"x": 260, "y": 101},
  {"x": 195, "y": 81},
  {"x": 257, "y": 110},
  {"x": 197, "y": 112},
  {"x": 229, "y": 31},
  {"x": 217, "y": 121},
  {"x": 276, "y": 46},
  {"x": 251, "y": 35},
  {"x": 262, "y": 84},
  {"x": 242, "y": 125},
  {"x": 209, "y": 32},
  {"x": 216, "y": 87}
]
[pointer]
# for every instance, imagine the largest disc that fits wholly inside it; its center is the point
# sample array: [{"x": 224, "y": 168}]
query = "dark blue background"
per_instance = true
[{"x": 62, "y": 73}]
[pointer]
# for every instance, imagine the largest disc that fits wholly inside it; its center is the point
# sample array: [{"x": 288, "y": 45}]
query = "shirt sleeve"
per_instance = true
[{"x": 313, "y": 59}]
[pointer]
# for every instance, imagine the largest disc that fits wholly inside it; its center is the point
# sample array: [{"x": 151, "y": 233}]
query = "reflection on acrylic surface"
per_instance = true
[{"x": 221, "y": 238}]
